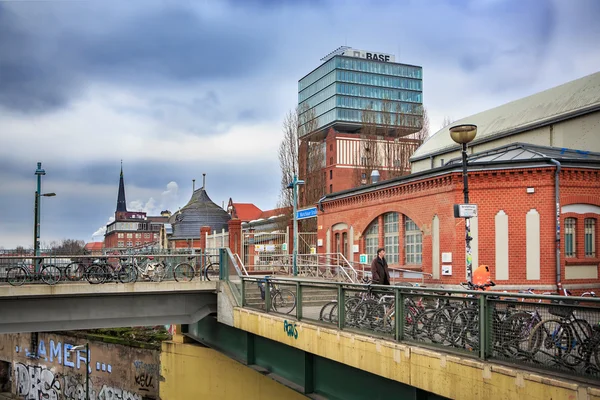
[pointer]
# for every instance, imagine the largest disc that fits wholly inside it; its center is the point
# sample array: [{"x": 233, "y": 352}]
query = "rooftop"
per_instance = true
[{"x": 569, "y": 100}]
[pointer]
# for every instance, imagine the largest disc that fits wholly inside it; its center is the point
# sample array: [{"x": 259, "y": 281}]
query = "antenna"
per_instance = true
[{"x": 204, "y": 181}]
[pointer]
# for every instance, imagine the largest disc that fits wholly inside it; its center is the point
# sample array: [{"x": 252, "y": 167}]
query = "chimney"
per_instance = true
[
  {"x": 204, "y": 181},
  {"x": 374, "y": 176},
  {"x": 193, "y": 185}
]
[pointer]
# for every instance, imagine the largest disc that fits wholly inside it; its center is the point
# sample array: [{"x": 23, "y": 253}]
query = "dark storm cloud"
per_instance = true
[
  {"x": 30, "y": 80},
  {"x": 43, "y": 66}
]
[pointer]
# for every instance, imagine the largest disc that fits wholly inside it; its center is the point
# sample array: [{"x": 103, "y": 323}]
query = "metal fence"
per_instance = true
[
  {"x": 119, "y": 267},
  {"x": 550, "y": 332},
  {"x": 217, "y": 240}
]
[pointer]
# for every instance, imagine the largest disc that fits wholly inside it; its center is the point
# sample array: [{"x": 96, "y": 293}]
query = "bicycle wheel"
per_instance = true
[
  {"x": 75, "y": 271},
  {"x": 184, "y": 272},
  {"x": 582, "y": 331},
  {"x": 556, "y": 341},
  {"x": 464, "y": 330},
  {"x": 95, "y": 274},
  {"x": 284, "y": 301},
  {"x": 50, "y": 274},
  {"x": 515, "y": 334},
  {"x": 159, "y": 273},
  {"x": 325, "y": 313},
  {"x": 127, "y": 274},
  {"x": 211, "y": 272},
  {"x": 16, "y": 276}
]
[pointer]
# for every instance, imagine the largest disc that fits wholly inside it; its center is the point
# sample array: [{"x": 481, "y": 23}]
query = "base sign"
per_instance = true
[{"x": 465, "y": 210}]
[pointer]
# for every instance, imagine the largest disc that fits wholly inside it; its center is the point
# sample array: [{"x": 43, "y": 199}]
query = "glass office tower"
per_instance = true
[{"x": 350, "y": 81}]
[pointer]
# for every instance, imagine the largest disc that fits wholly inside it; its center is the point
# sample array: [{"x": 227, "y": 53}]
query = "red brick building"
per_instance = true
[
  {"x": 532, "y": 160},
  {"x": 132, "y": 229},
  {"x": 514, "y": 233}
]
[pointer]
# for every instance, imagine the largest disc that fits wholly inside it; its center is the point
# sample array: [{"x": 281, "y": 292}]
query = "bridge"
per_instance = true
[{"x": 341, "y": 339}]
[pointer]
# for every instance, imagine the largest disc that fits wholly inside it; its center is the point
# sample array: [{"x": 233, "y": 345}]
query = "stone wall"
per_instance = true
[{"x": 116, "y": 372}]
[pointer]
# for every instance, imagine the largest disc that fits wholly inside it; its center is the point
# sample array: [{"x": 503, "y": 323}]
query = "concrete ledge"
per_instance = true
[
  {"x": 86, "y": 289},
  {"x": 447, "y": 375}
]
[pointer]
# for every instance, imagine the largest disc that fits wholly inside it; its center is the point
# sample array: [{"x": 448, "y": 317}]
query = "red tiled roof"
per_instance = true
[
  {"x": 247, "y": 211},
  {"x": 275, "y": 212},
  {"x": 94, "y": 246}
]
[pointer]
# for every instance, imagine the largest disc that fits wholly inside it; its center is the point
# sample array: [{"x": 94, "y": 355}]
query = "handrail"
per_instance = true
[
  {"x": 234, "y": 262},
  {"x": 237, "y": 256},
  {"x": 473, "y": 323},
  {"x": 351, "y": 267},
  {"x": 433, "y": 291}
]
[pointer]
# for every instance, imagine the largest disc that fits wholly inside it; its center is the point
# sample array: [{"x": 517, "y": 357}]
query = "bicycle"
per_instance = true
[
  {"x": 48, "y": 273},
  {"x": 211, "y": 269},
  {"x": 282, "y": 300}
]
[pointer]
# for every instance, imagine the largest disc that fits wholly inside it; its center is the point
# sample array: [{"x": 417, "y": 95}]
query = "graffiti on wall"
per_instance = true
[
  {"x": 290, "y": 329},
  {"x": 57, "y": 352},
  {"x": 34, "y": 382},
  {"x": 144, "y": 375}
]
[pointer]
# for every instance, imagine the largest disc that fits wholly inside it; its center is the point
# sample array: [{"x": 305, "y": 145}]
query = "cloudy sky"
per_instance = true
[{"x": 180, "y": 88}]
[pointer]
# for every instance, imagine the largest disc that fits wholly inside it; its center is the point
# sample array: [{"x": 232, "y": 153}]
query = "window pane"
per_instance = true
[
  {"x": 372, "y": 239},
  {"x": 590, "y": 237},
  {"x": 413, "y": 242},
  {"x": 570, "y": 224}
]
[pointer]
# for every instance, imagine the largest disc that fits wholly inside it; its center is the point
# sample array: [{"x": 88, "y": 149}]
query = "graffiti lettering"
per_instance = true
[
  {"x": 111, "y": 393},
  {"x": 35, "y": 382},
  {"x": 61, "y": 352},
  {"x": 290, "y": 329},
  {"x": 144, "y": 381},
  {"x": 141, "y": 366}
]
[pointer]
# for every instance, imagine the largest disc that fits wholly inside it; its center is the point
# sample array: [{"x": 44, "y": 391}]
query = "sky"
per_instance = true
[{"x": 175, "y": 89}]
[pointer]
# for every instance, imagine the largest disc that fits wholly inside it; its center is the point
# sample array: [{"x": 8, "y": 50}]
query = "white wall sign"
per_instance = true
[
  {"x": 355, "y": 248},
  {"x": 319, "y": 242},
  {"x": 446, "y": 270},
  {"x": 446, "y": 257}
]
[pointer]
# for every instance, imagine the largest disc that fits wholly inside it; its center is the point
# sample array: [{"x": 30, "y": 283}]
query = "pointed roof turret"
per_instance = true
[{"x": 121, "y": 204}]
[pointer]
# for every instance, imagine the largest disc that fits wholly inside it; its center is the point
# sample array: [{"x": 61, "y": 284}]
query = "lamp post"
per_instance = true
[
  {"x": 87, "y": 366},
  {"x": 463, "y": 134},
  {"x": 294, "y": 186},
  {"x": 36, "y": 212}
]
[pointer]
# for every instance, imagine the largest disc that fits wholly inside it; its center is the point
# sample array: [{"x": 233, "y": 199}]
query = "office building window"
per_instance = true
[
  {"x": 129, "y": 244},
  {"x": 570, "y": 245},
  {"x": 129, "y": 235},
  {"x": 120, "y": 235},
  {"x": 330, "y": 174},
  {"x": 330, "y": 188},
  {"x": 120, "y": 244},
  {"x": 590, "y": 237}
]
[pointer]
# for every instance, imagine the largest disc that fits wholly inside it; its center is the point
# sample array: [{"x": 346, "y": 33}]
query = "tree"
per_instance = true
[
  {"x": 301, "y": 153},
  {"x": 66, "y": 247},
  {"x": 447, "y": 121}
]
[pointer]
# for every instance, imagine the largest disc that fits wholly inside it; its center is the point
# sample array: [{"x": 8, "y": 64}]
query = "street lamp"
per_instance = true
[
  {"x": 36, "y": 212},
  {"x": 294, "y": 186},
  {"x": 464, "y": 134},
  {"x": 87, "y": 365}
]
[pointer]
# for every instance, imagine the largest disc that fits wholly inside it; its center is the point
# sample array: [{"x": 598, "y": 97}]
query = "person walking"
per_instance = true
[{"x": 379, "y": 269}]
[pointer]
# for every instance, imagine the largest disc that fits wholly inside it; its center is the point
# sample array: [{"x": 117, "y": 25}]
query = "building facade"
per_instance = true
[
  {"x": 514, "y": 233},
  {"x": 350, "y": 81},
  {"x": 534, "y": 173},
  {"x": 132, "y": 229},
  {"x": 356, "y": 112}
]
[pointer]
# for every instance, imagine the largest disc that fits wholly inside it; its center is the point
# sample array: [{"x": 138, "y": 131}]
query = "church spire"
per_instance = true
[{"x": 121, "y": 204}]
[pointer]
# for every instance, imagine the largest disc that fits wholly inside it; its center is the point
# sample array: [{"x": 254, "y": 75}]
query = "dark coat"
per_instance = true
[{"x": 380, "y": 272}]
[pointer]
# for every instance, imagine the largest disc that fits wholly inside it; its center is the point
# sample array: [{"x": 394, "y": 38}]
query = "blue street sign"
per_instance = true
[{"x": 306, "y": 213}]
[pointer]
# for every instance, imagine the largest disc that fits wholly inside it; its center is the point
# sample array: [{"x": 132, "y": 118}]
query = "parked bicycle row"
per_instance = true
[
  {"x": 109, "y": 269},
  {"x": 561, "y": 335}
]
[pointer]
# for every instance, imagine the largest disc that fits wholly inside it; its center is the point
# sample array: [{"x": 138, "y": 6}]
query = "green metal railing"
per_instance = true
[{"x": 554, "y": 333}]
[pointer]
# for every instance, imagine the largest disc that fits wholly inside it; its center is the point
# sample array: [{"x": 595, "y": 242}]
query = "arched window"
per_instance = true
[
  {"x": 413, "y": 242},
  {"x": 372, "y": 239},
  {"x": 390, "y": 237},
  {"x": 570, "y": 229},
  {"x": 590, "y": 237}
]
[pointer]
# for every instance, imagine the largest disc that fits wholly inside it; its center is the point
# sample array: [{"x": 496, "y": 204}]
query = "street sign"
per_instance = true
[
  {"x": 306, "y": 213},
  {"x": 363, "y": 258},
  {"x": 465, "y": 210}
]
